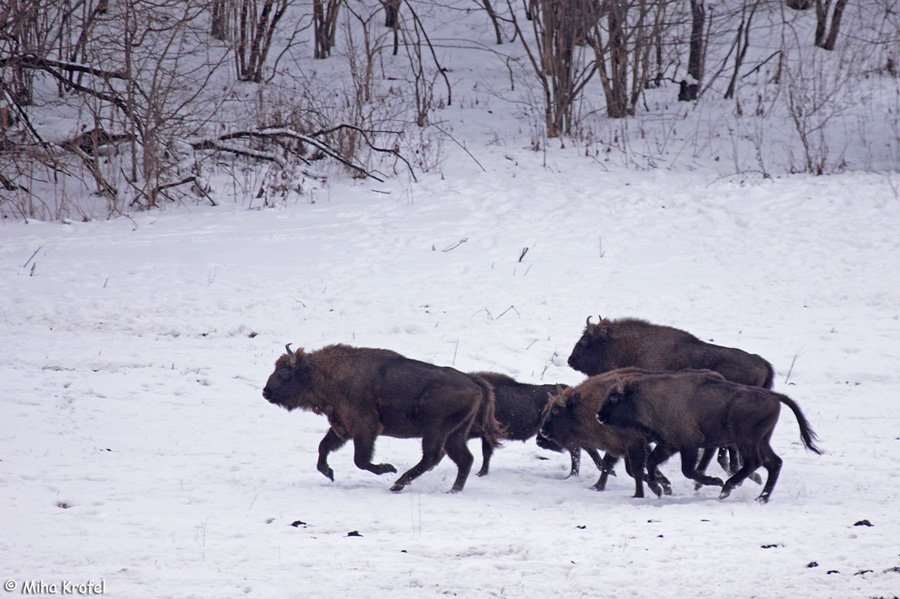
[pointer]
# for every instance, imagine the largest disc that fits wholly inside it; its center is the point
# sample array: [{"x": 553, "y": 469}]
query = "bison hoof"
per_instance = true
[
  {"x": 329, "y": 473},
  {"x": 764, "y": 498},
  {"x": 482, "y": 472},
  {"x": 384, "y": 469},
  {"x": 397, "y": 488},
  {"x": 725, "y": 493}
]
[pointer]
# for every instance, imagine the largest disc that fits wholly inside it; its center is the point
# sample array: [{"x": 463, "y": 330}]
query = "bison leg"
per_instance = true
[
  {"x": 330, "y": 442},
  {"x": 606, "y": 466},
  {"x": 598, "y": 461},
  {"x": 487, "y": 450},
  {"x": 689, "y": 468},
  {"x": 772, "y": 464},
  {"x": 636, "y": 465},
  {"x": 363, "y": 448},
  {"x": 659, "y": 455},
  {"x": 705, "y": 459},
  {"x": 721, "y": 457},
  {"x": 735, "y": 463},
  {"x": 751, "y": 463},
  {"x": 432, "y": 452},
  {"x": 575, "y": 470},
  {"x": 459, "y": 452}
]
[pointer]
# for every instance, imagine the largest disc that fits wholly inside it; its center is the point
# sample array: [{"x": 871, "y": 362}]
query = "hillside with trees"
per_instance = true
[{"x": 112, "y": 106}]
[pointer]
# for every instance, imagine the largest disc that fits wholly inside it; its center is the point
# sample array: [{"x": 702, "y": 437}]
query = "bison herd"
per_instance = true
[{"x": 652, "y": 391}]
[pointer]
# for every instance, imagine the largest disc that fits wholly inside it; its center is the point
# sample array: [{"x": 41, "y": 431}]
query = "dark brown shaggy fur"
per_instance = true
[
  {"x": 687, "y": 411},
  {"x": 519, "y": 410},
  {"x": 366, "y": 392},
  {"x": 630, "y": 342}
]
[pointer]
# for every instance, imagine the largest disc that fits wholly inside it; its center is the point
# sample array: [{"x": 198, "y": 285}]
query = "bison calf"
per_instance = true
[
  {"x": 570, "y": 420},
  {"x": 367, "y": 392},
  {"x": 630, "y": 342},
  {"x": 519, "y": 407},
  {"x": 686, "y": 411}
]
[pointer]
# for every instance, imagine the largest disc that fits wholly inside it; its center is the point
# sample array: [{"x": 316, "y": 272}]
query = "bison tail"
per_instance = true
[
  {"x": 806, "y": 433},
  {"x": 491, "y": 430}
]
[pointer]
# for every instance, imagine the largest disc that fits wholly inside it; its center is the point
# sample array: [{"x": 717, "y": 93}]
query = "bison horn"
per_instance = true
[
  {"x": 588, "y": 322},
  {"x": 620, "y": 386},
  {"x": 561, "y": 393},
  {"x": 291, "y": 354}
]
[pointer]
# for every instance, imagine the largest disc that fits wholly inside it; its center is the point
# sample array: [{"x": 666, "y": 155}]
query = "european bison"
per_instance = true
[
  {"x": 570, "y": 420},
  {"x": 366, "y": 392},
  {"x": 626, "y": 342},
  {"x": 686, "y": 411},
  {"x": 519, "y": 407}
]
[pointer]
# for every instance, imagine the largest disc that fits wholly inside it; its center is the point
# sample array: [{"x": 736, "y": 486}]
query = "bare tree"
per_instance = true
[
  {"x": 826, "y": 36},
  {"x": 495, "y": 20},
  {"x": 557, "y": 27},
  {"x": 256, "y": 25},
  {"x": 624, "y": 43},
  {"x": 325, "y": 18}
]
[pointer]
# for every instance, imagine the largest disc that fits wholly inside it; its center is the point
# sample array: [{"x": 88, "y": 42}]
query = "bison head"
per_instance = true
[
  {"x": 291, "y": 378},
  {"x": 618, "y": 409},
  {"x": 558, "y": 420},
  {"x": 590, "y": 354}
]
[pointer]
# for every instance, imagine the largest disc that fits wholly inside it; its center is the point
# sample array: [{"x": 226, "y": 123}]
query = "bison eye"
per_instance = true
[
  {"x": 284, "y": 374},
  {"x": 556, "y": 411},
  {"x": 614, "y": 398}
]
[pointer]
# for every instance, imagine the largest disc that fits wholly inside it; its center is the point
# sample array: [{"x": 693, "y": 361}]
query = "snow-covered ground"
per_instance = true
[{"x": 136, "y": 449}]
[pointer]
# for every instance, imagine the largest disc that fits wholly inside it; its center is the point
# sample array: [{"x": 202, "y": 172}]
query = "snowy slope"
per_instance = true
[{"x": 135, "y": 447}]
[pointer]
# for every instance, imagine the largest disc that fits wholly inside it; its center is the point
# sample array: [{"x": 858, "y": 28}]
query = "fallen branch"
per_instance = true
[
  {"x": 191, "y": 179},
  {"x": 214, "y": 145},
  {"x": 277, "y": 133},
  {"x": 455, "y": 245}
]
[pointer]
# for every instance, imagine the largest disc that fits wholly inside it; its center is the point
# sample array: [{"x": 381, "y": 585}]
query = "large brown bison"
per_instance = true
[
  {"x": 570, "y": 421},
  {"x": 366, "y": 392},
  {"x": 688, "y": 411},
  {"x": 626, "y": 342},
  {"x": 519, "y": 407}
]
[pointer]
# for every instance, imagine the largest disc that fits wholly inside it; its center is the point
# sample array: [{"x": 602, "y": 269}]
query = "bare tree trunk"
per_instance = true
[
  {"x": 559, "y": 66},
  {"x": 391, "y": 13},
  {"x": 325, "y": 25},
  {"x": 493, "y": 16},
  {"x": 255, "y": 31},
  {"x": 219, "y": 25},
  {"x": 616, "y": 86},
  {"x": 826, "y": 40},
  {"x": 741, "y": 44},
  {"x": 690, "y": 86}
]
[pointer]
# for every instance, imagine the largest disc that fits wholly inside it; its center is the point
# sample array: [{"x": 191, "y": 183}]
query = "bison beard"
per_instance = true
[{"x": 366, "y": 392}]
